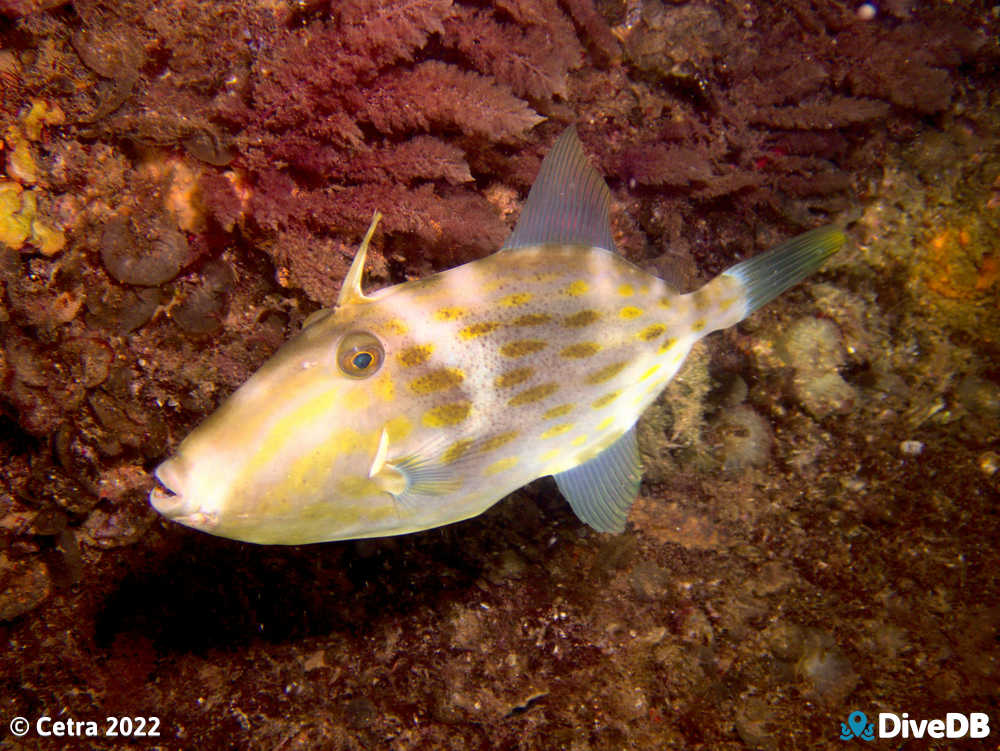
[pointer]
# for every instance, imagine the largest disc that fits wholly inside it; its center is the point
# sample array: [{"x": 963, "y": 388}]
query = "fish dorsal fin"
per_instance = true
[
  {"x": 601, "y": 491},
  {"x": 568, "y": 202},
  {"x": 350, "y": 290}
]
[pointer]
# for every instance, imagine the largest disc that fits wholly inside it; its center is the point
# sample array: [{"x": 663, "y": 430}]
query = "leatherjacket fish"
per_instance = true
[{"x": 427, "y": 402}]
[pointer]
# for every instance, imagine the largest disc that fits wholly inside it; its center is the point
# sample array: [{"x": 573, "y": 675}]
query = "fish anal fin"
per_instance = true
[{"x": 601, "y": 491}]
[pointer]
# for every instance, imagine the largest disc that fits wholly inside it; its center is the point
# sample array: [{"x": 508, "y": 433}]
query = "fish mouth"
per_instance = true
[
  {"x": 167, "y": 497},
  {"x": 169, "y": 500},
  {"x": 165, "y": 501}
]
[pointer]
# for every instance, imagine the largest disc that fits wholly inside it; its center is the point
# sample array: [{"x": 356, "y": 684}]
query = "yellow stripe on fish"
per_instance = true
[{"x": 429, "y": 401}]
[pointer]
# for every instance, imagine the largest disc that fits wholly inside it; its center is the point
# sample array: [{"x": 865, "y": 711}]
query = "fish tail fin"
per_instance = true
[{"x": 767, "y": 275}]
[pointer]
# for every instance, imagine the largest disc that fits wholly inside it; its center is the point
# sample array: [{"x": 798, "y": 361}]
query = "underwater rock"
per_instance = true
[
  {"x": 672, "y": 523},
  {"x": 124, "y": 310},
  {"x": 19, "y": 8},
  {"x": 813, "y": 348},
  {"x": 360, "y": 712},
  {"x": 755, "y": 723},
  {"x": 825, "y": 668},
  {"x": 93, "y": 361},
  {"x": 675, "y": 42},
  {"x": 509, "y": 565},
  {"x": 148, "y": 255},
  {"x": 650, "y": 582},
  {"x": 980, "y": 396},
  {"x": 24, "y": 585},
  {"x": 125, "y": 424},
  {"x": 26, "y": 360},
  {"x": 467, "y": 628},
  {"x": 695, "y": 627},
  {"x": 774, "y": 577},
  {"x": 57, "y": 489},
  {"x": 745, "y": 437},
  {"x": 103, "y": 529},
  {"x": 201, "y": 310},
  {"x": 210, "y": 147}
]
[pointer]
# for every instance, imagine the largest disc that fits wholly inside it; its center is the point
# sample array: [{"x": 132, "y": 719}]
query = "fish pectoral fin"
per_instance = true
[
  {"x": 390, "y": 480},
  {"x": 424, "y": 478},
  {"x": 568, "y": 202},
  {"x": 410, "y": 477},
  {"x": 602, "y": 490}
]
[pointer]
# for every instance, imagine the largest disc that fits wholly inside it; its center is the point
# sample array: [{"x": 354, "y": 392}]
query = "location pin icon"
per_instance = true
[{"x": 858, "y": 721}]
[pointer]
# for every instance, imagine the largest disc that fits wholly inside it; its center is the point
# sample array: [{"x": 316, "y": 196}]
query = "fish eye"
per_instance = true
[{"x": 360, "y": 354}]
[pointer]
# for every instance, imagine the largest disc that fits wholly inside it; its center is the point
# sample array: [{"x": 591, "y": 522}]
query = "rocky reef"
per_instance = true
[{"x": 183, "y": 183}]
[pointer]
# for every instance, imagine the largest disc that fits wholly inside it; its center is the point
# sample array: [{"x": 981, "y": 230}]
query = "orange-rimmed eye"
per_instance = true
[{"x": 360, "y": 354}]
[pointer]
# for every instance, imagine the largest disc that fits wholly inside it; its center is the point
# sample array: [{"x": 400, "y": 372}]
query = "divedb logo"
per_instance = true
[{"x": 890, "y": 725}]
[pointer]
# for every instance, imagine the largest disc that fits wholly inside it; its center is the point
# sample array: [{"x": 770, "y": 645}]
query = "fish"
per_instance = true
[{"x": 425, "y": 403}]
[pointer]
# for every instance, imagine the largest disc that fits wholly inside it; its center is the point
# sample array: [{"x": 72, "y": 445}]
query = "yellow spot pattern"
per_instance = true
[
  {"x": 606, "y": 373},
  {"x": 557, "y": 430},
  {"x": 578, "y": 441},
  {"x": 478, "y": 329},
  {"x": 437, "y": 380},
  {"x": 650, "y": 333},
  {"x": 449, "y": 314},
  {"x": 605, "y": 423},
  {"x": 650, "y": 372},
  {"x": 580, "y": 350},
  {"x": 534, "y": 394},
  {"x": 626, "y": 290},
  {"x": 629, "y": 312},
  {"x": 518, "y": 298},
  {"x": 501, "y": 465},
  {"x": 457, "y": 450},
  {"x": 604, "y": 401},
  {"x": 522, "y": 347},
  {"x": 698, "y": 325},
  {"x": 666, "y": 302},
  {"x": 581, "y": 319},
  {"x": 577, "y": 288},
  {"x": 497, "y": 441},
  {"x": 398, "y": 428},
  {"x": 384, "y": 387},
  {"x": 598, "y": 448},
  {"x": 560, "y": 411},
  {"x": 531, "y": 319},
  {"x": 513, "y": 377},
  {"x": 418, "y": 355},
  {"x": 447, "y": 414},
  {"x": 395, "y": 326},
  {"x": 668, "y": 344}
]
